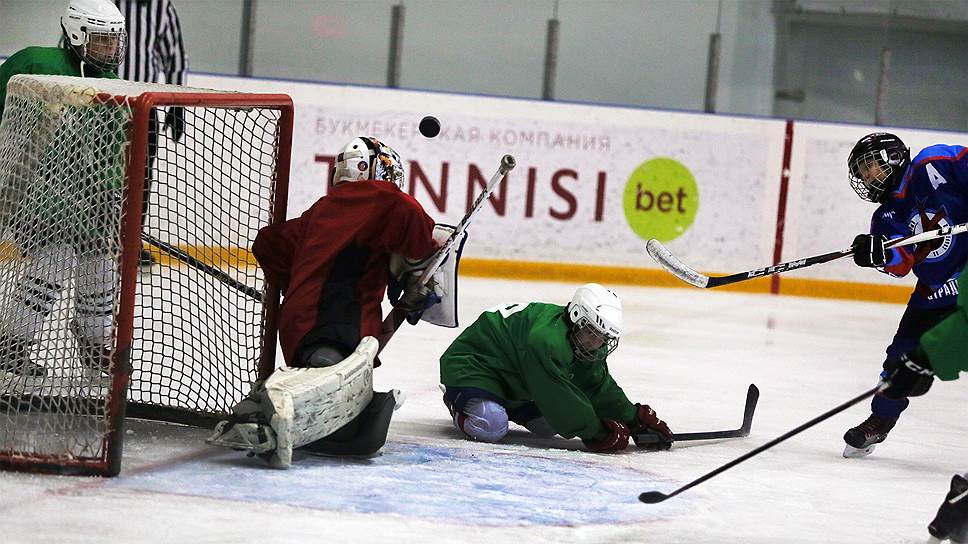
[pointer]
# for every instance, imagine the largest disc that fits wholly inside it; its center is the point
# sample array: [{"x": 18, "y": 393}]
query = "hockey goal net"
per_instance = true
[{"x": 89, "y": 332}]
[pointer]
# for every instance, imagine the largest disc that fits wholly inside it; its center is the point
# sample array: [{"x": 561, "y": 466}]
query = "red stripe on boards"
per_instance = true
[{"x": 782, "y": 205}]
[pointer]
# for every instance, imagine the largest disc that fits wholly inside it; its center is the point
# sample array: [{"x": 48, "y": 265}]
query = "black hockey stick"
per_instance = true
[
  {"x": 397, "y": 315},
  {"x": 652, "y": 497},
  {"x": 677, "y": 268},
  {"x": 752, "y": 395},
  {"x": 199, "y": 265}
]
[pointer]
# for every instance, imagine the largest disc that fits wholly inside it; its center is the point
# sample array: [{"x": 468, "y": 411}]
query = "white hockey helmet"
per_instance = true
[
  {"x": 595, "y": 317},
  {"x": 368, "y": 158},
  {"x": 95, "y": 30}
]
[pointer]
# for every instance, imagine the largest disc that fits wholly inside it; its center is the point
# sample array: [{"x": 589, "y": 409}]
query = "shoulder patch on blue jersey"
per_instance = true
[{"x": 938, "y": 151}]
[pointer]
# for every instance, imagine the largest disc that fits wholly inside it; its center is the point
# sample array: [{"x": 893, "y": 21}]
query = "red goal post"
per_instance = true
[{"x": 82, "y": 162}]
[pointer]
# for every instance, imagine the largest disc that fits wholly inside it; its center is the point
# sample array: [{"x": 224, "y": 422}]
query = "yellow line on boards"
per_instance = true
[
  {"x": 583, "y": 273},
  {"x": 607, "y": 275}
]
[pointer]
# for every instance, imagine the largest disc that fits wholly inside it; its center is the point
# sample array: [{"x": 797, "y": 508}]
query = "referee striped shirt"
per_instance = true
[{"x": 154, "y": 42}]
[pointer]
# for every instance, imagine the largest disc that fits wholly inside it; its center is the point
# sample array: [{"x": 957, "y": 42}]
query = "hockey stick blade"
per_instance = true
[
  {"x": 674, "y": 266},
  {"x": 752, "y": 396},
  {"x": 652, "y": 497},
  {"x": 677, "y": 268}
]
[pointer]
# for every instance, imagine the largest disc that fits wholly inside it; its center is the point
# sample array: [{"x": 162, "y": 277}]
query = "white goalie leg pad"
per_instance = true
[{"x": 306, "y": 404}]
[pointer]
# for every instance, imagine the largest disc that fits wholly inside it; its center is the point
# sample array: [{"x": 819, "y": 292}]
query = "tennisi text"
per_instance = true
[{"x": 561, "y": 194}]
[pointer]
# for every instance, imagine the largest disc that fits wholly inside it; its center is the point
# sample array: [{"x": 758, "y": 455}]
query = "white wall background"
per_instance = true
[
  {"x": 638, "y": 52},
  {"x": 628, "y": 52}
]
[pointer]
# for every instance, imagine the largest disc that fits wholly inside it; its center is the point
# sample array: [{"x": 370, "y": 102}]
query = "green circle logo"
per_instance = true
[{"x": 660, "y": 199}]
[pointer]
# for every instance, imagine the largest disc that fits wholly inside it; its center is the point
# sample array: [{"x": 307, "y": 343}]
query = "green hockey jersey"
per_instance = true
[
  {"x": 65, "y": 163},
  {"x": 947, "y": 343},
  {"x": 51, "y": 61},
  {"x": 521, "y": 353}
]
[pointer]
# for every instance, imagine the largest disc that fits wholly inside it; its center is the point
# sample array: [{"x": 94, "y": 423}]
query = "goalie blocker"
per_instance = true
[{"x": 327, "y": 411}]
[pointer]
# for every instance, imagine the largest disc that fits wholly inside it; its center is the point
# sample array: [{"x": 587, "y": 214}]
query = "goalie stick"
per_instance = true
[
  {"x": 397, "y": 316},
  {"x": 677, "y": 268},
  {"x": 652, "y": 497},
  {"x": 752, "y": 395}
]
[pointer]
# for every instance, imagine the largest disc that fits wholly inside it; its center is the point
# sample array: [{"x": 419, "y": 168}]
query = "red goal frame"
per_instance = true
[{"x": 142, "y": 106}]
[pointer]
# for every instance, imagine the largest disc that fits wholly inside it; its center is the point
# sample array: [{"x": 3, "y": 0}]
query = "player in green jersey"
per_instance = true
[
  {"x": 544, "y": 366},
  {"x": 943, "y": 352},
  {"x": 62, "y": 196}
]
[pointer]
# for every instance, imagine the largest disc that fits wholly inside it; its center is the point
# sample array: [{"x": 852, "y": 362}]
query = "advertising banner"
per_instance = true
[{"x": 592, "y": 184}]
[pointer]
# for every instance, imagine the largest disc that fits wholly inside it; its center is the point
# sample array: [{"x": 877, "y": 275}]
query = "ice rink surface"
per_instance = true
[{"x": 689, "y": 353}]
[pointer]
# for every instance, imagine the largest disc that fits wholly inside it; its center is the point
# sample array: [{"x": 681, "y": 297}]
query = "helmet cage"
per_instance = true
[
  {"x": 104, "y": 49},
  {"x": 876, "y": 165},
  {"x": 590, "y": 343}
]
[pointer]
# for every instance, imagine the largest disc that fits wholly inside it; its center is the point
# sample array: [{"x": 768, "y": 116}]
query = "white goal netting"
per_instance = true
[{"x": 68, "y": 190}]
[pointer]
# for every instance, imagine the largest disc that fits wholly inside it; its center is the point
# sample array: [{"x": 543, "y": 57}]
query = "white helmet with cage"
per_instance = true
[
  {"x": 95, "y": 30},
  {"x": 368, "y": 158},
  {"x": 595, "y": 319}
]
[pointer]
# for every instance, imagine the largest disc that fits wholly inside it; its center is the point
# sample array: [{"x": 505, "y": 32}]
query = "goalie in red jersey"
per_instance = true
[{"x": 333, "y": 265}]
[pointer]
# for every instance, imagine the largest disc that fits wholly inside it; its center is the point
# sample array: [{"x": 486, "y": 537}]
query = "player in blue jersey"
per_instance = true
[{"x": 914, "y": 196}]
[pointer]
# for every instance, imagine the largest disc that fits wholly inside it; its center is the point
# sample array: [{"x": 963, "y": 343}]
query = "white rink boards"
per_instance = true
[{"x": 688, "y": 353}]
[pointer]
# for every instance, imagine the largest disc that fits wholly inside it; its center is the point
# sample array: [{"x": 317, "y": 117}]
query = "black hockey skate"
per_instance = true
[
  {"x": 15, "y": 357},
  {"x": 862, "y": 438},
  {"x": 952, "y": 519}
]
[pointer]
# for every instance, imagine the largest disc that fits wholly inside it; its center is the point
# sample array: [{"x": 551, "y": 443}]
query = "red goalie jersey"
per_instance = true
[{"x": 333, "y": 262}]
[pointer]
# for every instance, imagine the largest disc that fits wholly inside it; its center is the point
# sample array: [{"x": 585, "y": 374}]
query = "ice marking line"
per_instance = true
[{"x": 449, "y": 484}]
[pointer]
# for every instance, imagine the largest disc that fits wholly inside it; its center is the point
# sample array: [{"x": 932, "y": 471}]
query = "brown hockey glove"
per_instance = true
[
  {"x": 613, "y": 439},
  {"x": 647, "y": 422}
]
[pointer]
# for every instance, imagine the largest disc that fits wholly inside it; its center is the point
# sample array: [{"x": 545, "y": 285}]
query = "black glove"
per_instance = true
[
  {"x": 175, "y": 122},
  {"x": 909, "y": 376},
  {"x": 869, "y": 250}
]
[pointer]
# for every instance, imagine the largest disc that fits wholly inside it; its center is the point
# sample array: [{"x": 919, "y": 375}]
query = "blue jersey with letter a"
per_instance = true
[{"x": 933, "y": 193}]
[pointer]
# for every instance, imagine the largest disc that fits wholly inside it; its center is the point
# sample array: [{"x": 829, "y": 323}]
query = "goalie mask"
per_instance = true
[
  {"x": 94, "y": 29},
  {"x": 368, "y": 158},
  {"x": 876, "y": 165},
  {"x": 595, "y": 322}
]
